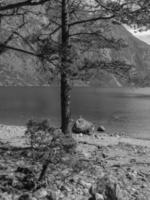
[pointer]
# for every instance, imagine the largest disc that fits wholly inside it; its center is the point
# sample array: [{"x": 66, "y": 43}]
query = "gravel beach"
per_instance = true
[
  {"x": 12, "y": 134},
  {"x": 120, "y": 161}
]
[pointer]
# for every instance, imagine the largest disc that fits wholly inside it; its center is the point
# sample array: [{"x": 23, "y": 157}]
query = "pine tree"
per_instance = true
[{"x": 74, "y": 26}]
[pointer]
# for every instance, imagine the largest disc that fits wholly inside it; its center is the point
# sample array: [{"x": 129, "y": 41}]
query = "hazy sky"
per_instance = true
[{"x": 145, "y": 35}]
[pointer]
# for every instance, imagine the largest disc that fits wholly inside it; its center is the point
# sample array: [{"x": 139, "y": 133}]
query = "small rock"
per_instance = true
[
  {"x": 85, "y": 184},
  {"x": 99, "y": 196},
  {"x": 25, "y": 179},
  {"x": 105, "y": 188},
  {"x": 65, "y": 188},
  {"x": 23, "y": 170},
  {"x": 28, "y": 183},
  {"x": 6, "y": 196},
  {"x": 104, "y": 155},
  {"x": 86, "y": 191},
  {"x": 3, "y": 167},
  {"x": 25, "y": 197},
  {"x": 96, "y": 136},
  {"x": 6, "y": 180},
  {"x": 101, "y": 129},
  {"x": 133, "y": 160},
  {"x": 65, "y": 172},
  {"x": 53, "y": 195},
  {"x": 132, "y": 175},
  {"x": 41, "y": 193}
]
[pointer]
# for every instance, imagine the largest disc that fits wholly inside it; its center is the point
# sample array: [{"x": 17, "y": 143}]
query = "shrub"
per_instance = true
[
  {"x": 38, "y": 133},
  {"x": 42, "y": 139}
]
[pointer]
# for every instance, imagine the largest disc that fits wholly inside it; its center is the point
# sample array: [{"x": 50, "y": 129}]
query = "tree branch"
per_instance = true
[
  {"x": 54, "y": 31},
  {"x": 24, "y": 40},
  {"x": 85, "y": 33},
  {"x": 21, "y": 4},
  {"x": 90, "y": 20},
  {"x": 107, "y": 8},
  {"x": 3, "y": 46}
]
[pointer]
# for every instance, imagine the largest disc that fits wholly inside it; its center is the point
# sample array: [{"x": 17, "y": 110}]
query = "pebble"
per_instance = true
[
  {"x": 25, "y": 197},
  {"x": 41, "y": 193},
  {"x": 101, "y": 129},
  {"x": 85, "y": 184},
  {"x": 99, "y": 196}
]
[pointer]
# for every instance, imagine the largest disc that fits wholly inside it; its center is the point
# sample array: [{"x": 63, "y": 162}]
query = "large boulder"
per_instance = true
[{"x": 83, "y": 126}]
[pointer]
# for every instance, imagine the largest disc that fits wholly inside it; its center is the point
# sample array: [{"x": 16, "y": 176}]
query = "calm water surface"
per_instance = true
[{"x": 119, "y": 110}]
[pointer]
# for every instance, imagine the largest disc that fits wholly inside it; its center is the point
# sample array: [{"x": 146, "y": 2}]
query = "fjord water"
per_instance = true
[{"x": 118, "y": 109}]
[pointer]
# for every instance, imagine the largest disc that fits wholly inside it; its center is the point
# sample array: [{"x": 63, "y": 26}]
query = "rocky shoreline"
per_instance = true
[{"x": 104, "y": 164}]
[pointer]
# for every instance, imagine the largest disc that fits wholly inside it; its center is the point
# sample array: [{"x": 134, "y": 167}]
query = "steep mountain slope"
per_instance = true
[
  {"x": 137, "y": 54},
  {"x": 137, "y": 51},
  {"x": 20, "y": 69},
  {"x": 17, "y": 69}
]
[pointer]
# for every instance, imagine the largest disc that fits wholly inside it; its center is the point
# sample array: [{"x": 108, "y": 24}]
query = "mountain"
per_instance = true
[
  {"x": 19, "y": 69},
  {"x": 137, "y": 53}
]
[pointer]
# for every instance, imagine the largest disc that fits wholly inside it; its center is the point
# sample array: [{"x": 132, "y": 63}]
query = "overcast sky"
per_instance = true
[{"x": 145, "y": 35}]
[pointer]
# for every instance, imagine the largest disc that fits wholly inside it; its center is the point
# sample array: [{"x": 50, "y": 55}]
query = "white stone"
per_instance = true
[
  {"x": 40, "y": 193},
  {"x": 99, "y": 196}
]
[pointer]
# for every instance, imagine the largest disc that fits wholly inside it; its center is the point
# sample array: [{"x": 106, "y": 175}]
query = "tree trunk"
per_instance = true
[{"x": 65, "y": 64}]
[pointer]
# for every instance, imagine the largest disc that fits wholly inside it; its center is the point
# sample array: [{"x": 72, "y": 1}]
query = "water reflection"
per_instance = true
[{"x": 126, "y": 110}]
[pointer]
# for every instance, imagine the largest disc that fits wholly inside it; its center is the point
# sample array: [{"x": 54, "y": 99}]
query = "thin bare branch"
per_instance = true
[
  {"x": 24, "y": 40},
  {"x": 91, "y": 19},
  {"x": 3, "y": 46},
  {"x": 55, "y": 30},
  {"x": 22, "y": 4}
]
